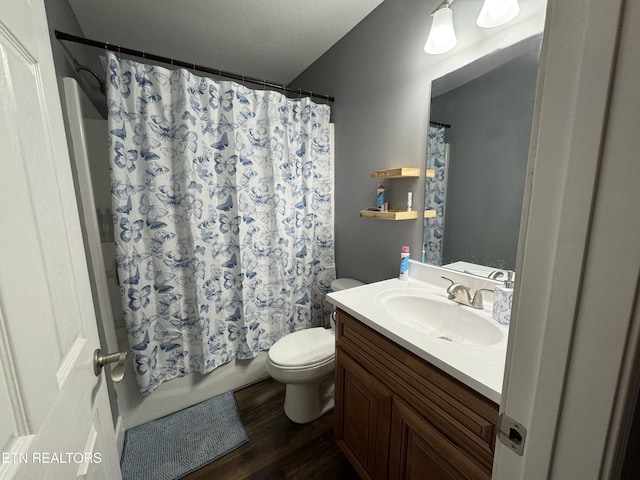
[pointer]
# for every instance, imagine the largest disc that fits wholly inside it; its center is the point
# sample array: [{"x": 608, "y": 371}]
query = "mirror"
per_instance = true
[{"x": 478, "y": 145}]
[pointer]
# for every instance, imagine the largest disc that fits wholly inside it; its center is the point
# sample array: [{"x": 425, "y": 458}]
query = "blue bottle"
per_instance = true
[
  {"x": 404, "y": 264},
  {"x": 380, "y": 198}
]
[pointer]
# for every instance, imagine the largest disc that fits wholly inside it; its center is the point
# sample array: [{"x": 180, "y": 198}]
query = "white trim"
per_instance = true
[
  {"x": 606, "y": 334},
  {"x": 78, "y": 110},
  {"x": 119, "y": 431}
]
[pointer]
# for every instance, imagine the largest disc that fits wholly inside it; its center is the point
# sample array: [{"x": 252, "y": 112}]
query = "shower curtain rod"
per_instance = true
[{"x": 159, "y": 58}]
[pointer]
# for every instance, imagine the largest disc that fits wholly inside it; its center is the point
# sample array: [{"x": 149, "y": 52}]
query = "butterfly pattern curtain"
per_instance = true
[
  {"x": 223, "y": 214},
  {"x": 435, "y": 195}
]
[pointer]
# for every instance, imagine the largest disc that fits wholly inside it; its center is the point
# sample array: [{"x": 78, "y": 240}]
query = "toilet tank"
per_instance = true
[
  {"x": 337, "y": 285},
  {"x": 344, "y": 283}
]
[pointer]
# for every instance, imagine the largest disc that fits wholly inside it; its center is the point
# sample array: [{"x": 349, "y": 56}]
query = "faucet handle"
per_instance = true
[
  {"x": 452, "y": 287},
  {"x": 452, "y": 282},
  {"x": 477, "y": 301}
]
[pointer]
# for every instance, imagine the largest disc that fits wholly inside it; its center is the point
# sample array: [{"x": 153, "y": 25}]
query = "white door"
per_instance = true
[
  {"x": 572, "y": 368},
  {"x": 55, "y": 420}
]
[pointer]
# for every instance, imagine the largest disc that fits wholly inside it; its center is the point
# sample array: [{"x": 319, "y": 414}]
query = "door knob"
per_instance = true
[{"x": 118, "y": 362}]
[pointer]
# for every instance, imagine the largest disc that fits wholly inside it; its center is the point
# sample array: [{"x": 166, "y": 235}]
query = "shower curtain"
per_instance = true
[
  {"x": 223, "y": 214},
  {"x": 435, "y": 195}
]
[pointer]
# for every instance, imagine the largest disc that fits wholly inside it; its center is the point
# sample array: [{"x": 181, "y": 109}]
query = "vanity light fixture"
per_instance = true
[
  {"x": 497, "y": 12},
  {"x": 442, "y": 37}
]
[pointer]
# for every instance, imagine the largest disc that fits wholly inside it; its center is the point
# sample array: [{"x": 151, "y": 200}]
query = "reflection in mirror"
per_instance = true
[{"x": 478, "y": 144}]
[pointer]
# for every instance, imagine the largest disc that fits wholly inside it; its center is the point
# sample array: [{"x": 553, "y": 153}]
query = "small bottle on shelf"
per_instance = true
[{"x": 380, "y": 197}]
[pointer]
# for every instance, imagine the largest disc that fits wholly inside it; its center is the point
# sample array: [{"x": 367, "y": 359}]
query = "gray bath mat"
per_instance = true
[{"x": 172, "y": 446}]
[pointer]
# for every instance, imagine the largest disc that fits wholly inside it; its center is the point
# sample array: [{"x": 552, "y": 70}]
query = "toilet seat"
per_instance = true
[
  {"x": 304, "y": 349},
  {"x": 307, "y": 366}
]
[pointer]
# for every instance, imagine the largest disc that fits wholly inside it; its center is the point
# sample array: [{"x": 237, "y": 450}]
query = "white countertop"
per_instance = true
[{"x": 479, "y": 367}]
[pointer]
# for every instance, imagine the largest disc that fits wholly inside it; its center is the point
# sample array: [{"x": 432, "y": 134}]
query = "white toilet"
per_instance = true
[{"x": 305, "y": 361}]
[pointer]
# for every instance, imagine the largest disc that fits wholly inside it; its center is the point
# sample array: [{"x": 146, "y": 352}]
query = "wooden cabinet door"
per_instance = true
[
  {"x": 418, "y": 451},
  {"x": 363, "y": 411}
]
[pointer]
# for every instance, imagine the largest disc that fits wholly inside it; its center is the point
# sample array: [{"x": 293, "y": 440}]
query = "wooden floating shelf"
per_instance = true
[
  {"x": 390, "y": 215},
  {"x": 430, "y": 214},
  {"x": 404, "y": 172},
  {"x": 430, "y": 173}
]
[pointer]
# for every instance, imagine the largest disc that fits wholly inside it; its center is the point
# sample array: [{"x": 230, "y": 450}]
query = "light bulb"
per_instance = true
[
  {"x": 442, "y": 37},
  {"x": 497, "y": 12}
]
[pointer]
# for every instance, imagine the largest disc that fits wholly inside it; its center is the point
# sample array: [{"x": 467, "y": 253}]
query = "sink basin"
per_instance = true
[{"x": 436, "y": 316}]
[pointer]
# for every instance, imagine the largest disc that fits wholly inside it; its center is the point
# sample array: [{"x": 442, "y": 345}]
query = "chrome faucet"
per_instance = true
[
  {"x": 462, "y": 294},
  {"x": 495, "y": 274}
]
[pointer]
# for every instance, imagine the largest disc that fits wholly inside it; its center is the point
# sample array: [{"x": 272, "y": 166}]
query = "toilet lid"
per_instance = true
[{"x": 304, "y": 347}]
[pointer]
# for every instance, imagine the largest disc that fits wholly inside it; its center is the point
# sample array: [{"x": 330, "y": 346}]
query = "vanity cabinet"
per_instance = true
[
  {"x": 399, "y": 417},
  {"x": 365, "y": 411}
]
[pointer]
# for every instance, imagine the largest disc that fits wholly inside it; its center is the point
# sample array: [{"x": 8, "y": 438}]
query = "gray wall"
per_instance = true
[
  {"x": 490, "y": 120},
  {"x": 380, "y": 77},
  {"x": 380, "y": 114}
]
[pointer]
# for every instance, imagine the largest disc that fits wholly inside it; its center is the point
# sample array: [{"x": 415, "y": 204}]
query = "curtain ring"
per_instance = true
[
  {"x": 243, "y": 82},
  {"x": 219, "y": 75},
  {"x": 119, "y": 52},
  {"x": 299, "y": 93}
]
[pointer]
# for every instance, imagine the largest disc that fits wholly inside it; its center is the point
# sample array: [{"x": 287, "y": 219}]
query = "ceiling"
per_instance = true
[{"x": 274, "y": 40}]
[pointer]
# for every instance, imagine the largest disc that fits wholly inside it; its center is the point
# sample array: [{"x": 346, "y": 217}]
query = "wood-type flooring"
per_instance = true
[{"x": 278, "y": 449}]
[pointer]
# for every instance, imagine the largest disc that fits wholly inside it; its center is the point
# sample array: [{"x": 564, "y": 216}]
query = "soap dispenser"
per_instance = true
[{"x": 502, "y": 300}]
